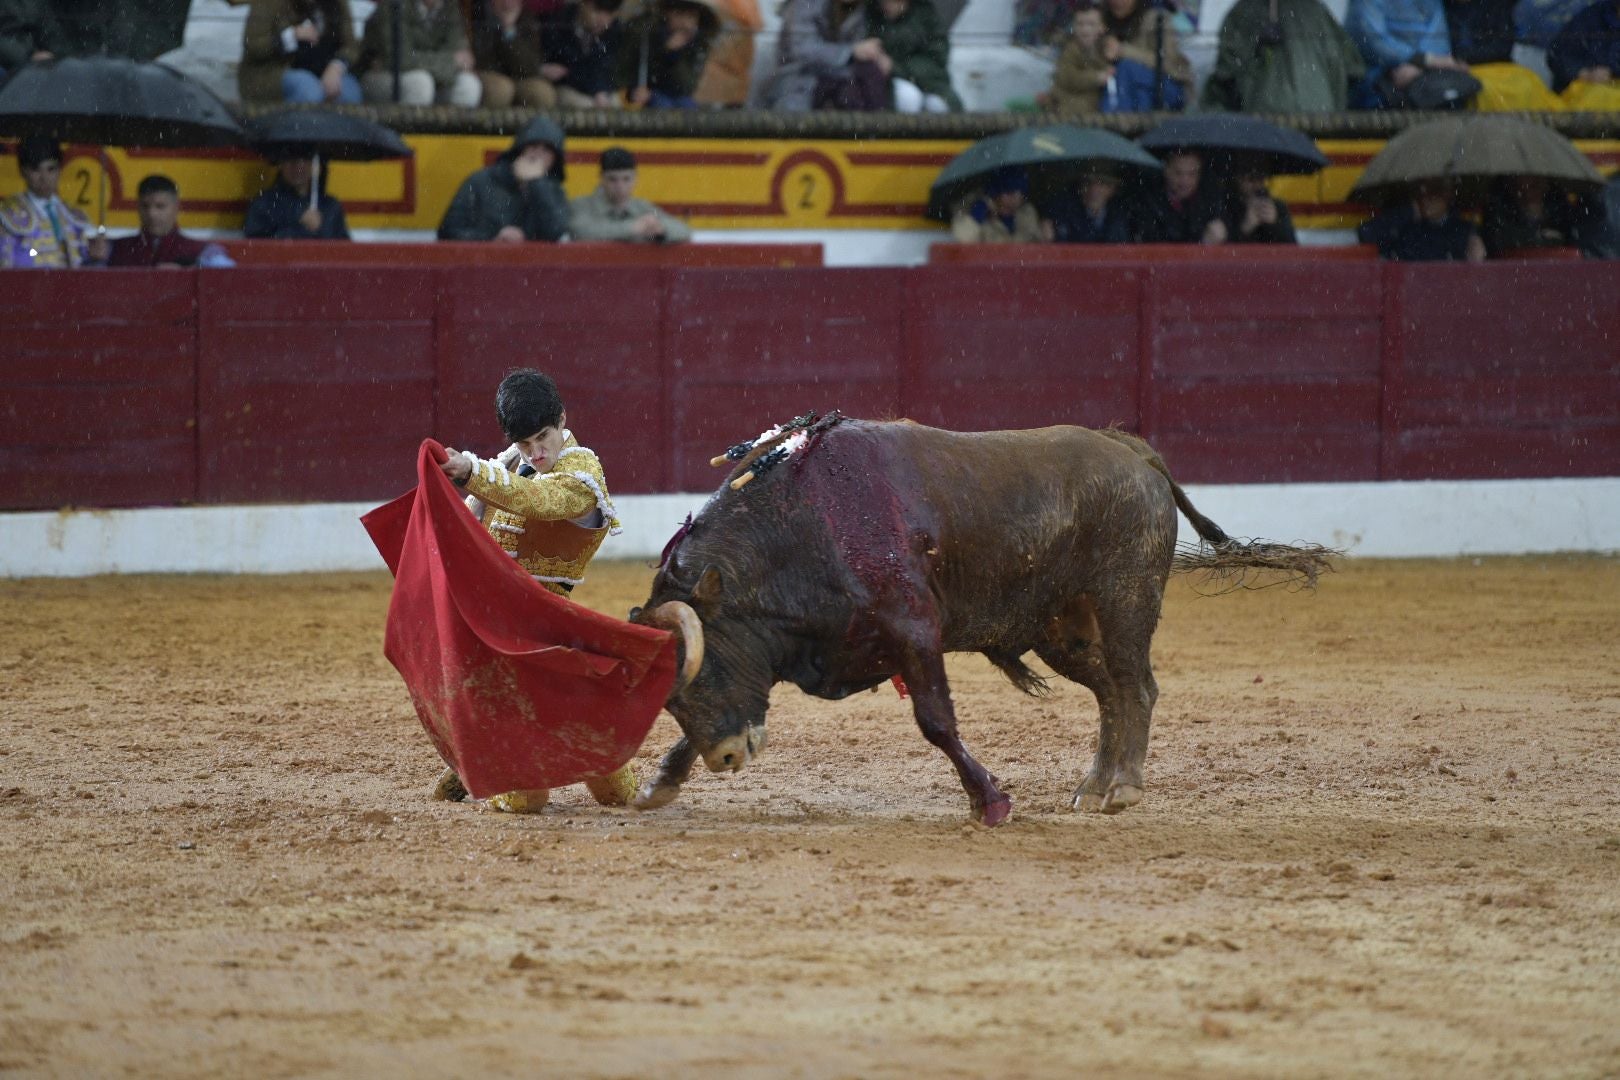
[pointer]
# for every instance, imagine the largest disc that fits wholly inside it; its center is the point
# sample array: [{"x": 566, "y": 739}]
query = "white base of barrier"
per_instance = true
[{"x": 1388, "y": 520}]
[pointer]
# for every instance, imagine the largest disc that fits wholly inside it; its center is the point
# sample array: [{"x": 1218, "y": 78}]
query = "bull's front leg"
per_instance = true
[
  {"x": 924, "y": 672},
  {"x": 666, "y": 783}
]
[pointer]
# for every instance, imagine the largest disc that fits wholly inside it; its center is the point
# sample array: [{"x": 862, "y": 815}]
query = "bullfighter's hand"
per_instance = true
[
  {"x": 98, "y": 249},
  {"x": 455, "y": 466}
]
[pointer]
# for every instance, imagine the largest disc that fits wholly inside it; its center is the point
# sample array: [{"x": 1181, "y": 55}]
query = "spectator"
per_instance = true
[
  {"x": 1082, "y": 72},
  {"x": 666, "y": 49},
  {"x": 1096, "y": 216},
  {"x": 520, "y": 197},
  {"x": 299, "y": 51},
  {"x": 436, "y": 65},
  {"x": 1527, "y": 212},
  {"x": 1252, "y": 215},
  {"x": 286, "y": 210},
  {"x": 1425, "y": 230},
  {"x": 1482, "y": 36},
  {"x": 1150, "y": 70},
  {"x": 1178, "y": 208},
  {"x": 38, "y": 229},
  {"x": 1408, "y": 52},
  {"x": 1585, "y": 59},
  {"x": 1283, "y": 56},
  {"x": 581, "y": 45},
  {"x": 160, "y": 241},
  {"x": 506, "y": 48},
  {"x": 28, "y": 31},
  {"x": 1003, "y": 214},
  {"x": 918, "y": 45},
  {"x": 826, "y": 60},
  {"x": 612, "y": 212}
]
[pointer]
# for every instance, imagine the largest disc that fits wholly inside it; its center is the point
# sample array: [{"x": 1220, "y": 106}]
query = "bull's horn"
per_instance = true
[
  {"x": 678, "y": 616},
  {"x": 719, "y": 460},
  {"x": 743, "y": 481}
]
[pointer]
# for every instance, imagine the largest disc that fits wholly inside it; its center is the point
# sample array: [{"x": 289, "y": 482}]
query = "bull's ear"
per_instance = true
[{"x": 707, "y": 593}]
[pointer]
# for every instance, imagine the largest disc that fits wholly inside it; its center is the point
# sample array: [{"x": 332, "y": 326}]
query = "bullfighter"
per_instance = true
[{"x": 36, "y": 227}]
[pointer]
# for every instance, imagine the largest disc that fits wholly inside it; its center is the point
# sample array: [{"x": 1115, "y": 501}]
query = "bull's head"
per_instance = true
[{"x": 724, "y": 687}]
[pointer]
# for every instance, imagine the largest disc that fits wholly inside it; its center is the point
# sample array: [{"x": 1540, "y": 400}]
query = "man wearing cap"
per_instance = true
[
  {"x": 36, "y": 227},
  {"x": 612, "y": 212},
  {"x": 1003, "y": 214},
  {"x": 519, "y": 197}
]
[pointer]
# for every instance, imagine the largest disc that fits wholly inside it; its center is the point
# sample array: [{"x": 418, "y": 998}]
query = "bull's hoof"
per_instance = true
[
  {"x": 531, "y": 801},
  {"x": 449, "y": 788},
  {"x": 1088, "y": 802},
  {"x": 992, "y": 814},
  {"x": 653, "y": 795},
  {"x": 1121, "y": 797}
]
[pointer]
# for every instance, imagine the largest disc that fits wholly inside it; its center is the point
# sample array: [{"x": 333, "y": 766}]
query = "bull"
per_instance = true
[{"x": 872, "y": 549}]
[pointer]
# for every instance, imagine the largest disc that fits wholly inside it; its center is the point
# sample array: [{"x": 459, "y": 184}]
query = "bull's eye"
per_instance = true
[{"x": 635, "y": 611}]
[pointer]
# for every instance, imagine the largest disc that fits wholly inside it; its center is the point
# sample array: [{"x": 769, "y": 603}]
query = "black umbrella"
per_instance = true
[
  {"x": 1238, "y": 142},
  {"x": 1051, "y": 155},
  {"x": 333, "y": 135},
  {"x": 114, "y": 101}
]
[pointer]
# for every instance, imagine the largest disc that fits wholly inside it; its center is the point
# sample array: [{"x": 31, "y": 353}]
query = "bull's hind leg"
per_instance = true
[
  {"x": 1104, "y": 647},
  {"x": 924, "y": 672}
]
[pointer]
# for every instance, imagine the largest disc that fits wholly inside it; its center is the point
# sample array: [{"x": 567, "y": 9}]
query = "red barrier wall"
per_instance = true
[{"x": 133, "y": 387}]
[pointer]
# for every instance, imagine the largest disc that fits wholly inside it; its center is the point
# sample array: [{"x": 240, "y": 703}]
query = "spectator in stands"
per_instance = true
[
  {"x": 1082, "y": 72},
  {"x": 581, "y": 46},
  {"x": 1585, "y": 59},
  {"x": 38, "y": 229},
  {"x": 1408, "y": 52},
  {"x": 612, "y": 212},
  {"x": 918, "y": 45},
  {"x": 1528, "y": 212},
  {"x": 1482, "y": 36},
  {"x": 1427, "y": 229},
  {"x": 436, "y": 65},
  {"x": 1001, "y": 214},
  {"x": 506, "y": 49},
  {"x": 827, "y": 60},
  {"x": 666, "y": 49},
  {"x": 1283, "y": 56},
  {"x": 28, "y": 32},
  {"x": 520, "y": 197},
  {"x": 286, "y": 210},
  {"x": 299, "y": 51},
  {"x": 1150, "y": 70},
  {"x": 160, "y": 241},
  {"x": 1251, "y": 215},
  {"x": 1178, "y": 207},
  {"x": 1096, "y": 215}
]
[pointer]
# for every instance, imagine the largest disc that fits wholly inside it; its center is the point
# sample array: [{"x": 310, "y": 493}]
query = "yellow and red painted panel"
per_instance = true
[{"x": 714, "y": 183}]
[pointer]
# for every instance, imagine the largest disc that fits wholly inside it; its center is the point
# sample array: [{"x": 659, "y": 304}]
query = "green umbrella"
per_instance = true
[
  {"x": 1471, "y": 150},
  {"x": 1051, "y": 155}
]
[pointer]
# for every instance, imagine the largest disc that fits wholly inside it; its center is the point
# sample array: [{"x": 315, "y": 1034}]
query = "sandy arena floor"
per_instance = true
[{"x": 1381, "y": 838}]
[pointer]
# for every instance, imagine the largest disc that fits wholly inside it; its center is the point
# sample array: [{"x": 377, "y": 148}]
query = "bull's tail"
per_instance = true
[{"x": 1221, "y": 556}]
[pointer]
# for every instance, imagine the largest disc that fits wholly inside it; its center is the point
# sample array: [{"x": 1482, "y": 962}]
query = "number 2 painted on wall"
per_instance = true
[
  {"x": 82, "y": 175},
  {"x": 807, "y": 186}
]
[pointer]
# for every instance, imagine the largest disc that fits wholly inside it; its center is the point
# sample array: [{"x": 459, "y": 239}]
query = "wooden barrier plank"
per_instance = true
[
  {"x": 948, "y": 253},
  {"x": 462, "y": 254},
  {"x": 750, "y": 349},
  {"x": 1508, "y": 369},
  {"x": 97, "y": 388},
  {"x": 1262, "y": 372},
  {"x": 1021, "y": 347},
  {"x": 595, "y": 331},
  {"x": 314, "y": 384}
]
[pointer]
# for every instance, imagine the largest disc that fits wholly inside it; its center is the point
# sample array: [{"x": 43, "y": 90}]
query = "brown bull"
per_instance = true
[{"x": 873, "y": 549}]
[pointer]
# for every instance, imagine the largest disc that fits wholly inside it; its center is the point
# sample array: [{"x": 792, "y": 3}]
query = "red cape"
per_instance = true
[{"x": 517, "y": 686}]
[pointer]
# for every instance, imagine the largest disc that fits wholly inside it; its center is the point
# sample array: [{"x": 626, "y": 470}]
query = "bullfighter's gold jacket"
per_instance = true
[{"x": 553, "y": 522}]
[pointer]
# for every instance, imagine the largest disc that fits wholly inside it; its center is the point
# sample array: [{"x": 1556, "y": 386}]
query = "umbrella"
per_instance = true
[
  {"x": 113, "y": 101},
  {"x": 1472, "y": 149},
  {"x": 333, "y": 135},
  {"x": 1052, "y": 155},
  {"x": 1238, "y": 139},
  {"x": 322, "y": 133}
]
